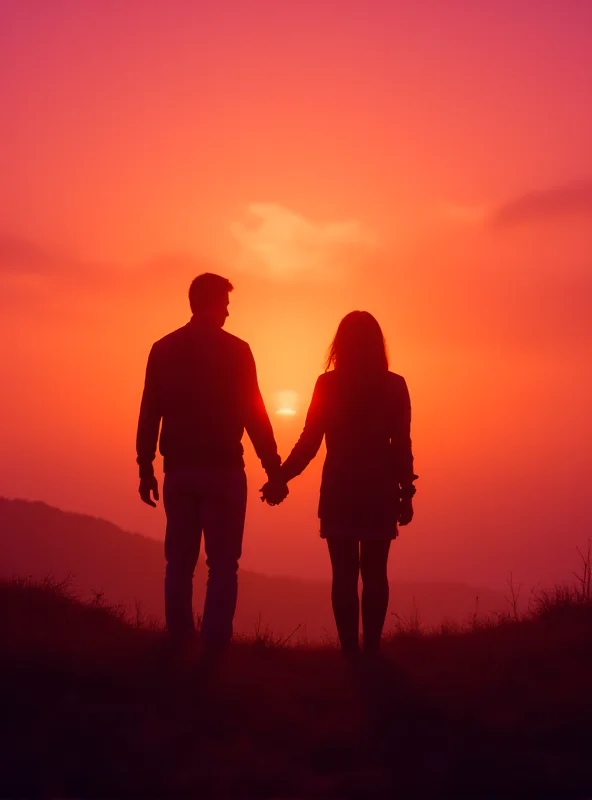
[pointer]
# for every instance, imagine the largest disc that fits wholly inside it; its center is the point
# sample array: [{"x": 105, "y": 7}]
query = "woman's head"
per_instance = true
[{"x": 358, "y": 346}]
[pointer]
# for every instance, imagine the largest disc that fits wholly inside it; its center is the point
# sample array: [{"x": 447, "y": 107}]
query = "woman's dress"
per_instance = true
[{"x": 369, "y": 463}]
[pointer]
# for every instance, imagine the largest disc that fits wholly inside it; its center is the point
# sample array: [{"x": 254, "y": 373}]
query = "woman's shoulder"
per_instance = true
[
  {"x": 324, "y": 382},
  {"x": 331, "y": 377}
]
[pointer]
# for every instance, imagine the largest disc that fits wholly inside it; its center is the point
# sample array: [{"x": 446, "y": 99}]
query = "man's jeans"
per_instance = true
[{"x": 212, "y": 500}]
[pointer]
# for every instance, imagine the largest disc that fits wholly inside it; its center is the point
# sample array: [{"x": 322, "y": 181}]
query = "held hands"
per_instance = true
[
  {"x": 148, "y": 489},
  {"x": 274, "y": 492}
]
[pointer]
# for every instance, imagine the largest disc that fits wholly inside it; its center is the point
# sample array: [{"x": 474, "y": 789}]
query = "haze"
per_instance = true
[{"x": 428, "y": 162}]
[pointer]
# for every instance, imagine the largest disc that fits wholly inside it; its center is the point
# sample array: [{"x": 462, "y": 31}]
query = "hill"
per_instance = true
[
  {"x": 95, "y": 707},
  {"x": 38, "y": 540}
]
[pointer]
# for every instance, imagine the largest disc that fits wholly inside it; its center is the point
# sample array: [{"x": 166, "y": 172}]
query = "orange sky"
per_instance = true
[{"x": 430, "y": 164}]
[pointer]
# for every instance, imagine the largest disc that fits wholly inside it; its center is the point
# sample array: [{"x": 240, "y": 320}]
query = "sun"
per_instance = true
[{"x": 286, "y": 403}]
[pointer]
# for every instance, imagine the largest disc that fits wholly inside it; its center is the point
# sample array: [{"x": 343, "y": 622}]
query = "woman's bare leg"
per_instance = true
[
  {"x": 345, "y": 561},
  {"x": 375, "y": 592}
]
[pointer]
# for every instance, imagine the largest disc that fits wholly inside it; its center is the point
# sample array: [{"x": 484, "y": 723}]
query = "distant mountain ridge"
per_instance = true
[{"x": 39, "y": 540}]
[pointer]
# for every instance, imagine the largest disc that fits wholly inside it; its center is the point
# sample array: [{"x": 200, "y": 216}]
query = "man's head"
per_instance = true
[{"x": 208, "y": 298}]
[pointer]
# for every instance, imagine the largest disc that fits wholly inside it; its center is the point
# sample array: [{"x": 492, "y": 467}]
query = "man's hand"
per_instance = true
[
  {"x": 148, "y": 489},
  {"x": 405, "y": 511},
  {"x": 274, "y": 492}
]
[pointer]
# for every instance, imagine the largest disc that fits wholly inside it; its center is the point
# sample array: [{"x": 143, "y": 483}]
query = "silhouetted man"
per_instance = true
[{"x": 201, "y": 382}]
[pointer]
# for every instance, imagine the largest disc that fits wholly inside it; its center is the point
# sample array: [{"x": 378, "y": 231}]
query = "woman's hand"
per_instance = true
[
  {"x": 274, "y": 492},
  {"x": 405, "y": 510}
]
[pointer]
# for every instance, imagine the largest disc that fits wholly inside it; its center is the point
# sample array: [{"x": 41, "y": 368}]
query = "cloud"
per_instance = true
[
  {"x": 542, "y": 204},
  {"x": 281, "y": 244},
  {"x": 34, "y": 276},
  {"x": 20, "y": 256},
  {"x": 37, "y": 279},
  {"x": 30, "y": 263}
]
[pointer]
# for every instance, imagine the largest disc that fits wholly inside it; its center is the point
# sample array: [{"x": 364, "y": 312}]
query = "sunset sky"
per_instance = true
[{"x": 429, "y": 162}]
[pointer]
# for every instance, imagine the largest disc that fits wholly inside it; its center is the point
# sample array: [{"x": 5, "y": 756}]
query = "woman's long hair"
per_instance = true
[{"x": 359, "y": 348}]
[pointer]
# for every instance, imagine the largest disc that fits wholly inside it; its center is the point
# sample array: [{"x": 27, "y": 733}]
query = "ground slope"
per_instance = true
[{"x": 93, "y": 707}]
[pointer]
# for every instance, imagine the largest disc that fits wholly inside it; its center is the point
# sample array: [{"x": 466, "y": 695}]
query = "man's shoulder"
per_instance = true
[
  {"x": 229, "y": 347},
  {"x": 232, "y": 341},
  {"x": 220, "y": 339},
  {"x": 170, "y": 340}
]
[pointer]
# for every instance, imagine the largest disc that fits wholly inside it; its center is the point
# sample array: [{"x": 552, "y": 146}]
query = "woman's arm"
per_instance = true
[
  {"x": 311, "y": 437},
  {"x": 401, "y": 440}
]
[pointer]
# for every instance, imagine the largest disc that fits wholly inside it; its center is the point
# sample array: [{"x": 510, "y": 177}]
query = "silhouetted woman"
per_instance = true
[{"x": 364, "y": 412}]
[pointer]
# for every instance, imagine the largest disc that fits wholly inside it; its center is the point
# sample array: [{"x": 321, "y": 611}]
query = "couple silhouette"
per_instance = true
[{"x": 200, "y": 395}]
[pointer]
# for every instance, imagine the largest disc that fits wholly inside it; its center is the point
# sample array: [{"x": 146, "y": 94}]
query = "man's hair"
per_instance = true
[{"x": 207, "y": 290}]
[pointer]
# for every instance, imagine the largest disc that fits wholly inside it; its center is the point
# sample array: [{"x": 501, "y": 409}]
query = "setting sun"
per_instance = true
[{"x": 286, "y": 403}]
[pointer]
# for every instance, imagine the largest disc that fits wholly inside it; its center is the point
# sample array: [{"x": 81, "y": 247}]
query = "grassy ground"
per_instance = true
[{"x": 94, "y": 706}]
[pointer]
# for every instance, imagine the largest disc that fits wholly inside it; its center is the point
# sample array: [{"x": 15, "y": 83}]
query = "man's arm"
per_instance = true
[
  {"x": 148, "y": 429},
  {"x": 257, "y": 422}
]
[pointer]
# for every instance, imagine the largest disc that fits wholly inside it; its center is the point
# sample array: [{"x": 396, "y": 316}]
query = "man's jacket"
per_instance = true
[{"x": 201, "y": 384}]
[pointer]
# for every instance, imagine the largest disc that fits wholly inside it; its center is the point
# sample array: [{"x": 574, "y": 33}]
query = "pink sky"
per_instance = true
[{"x": 429, "y": 162}]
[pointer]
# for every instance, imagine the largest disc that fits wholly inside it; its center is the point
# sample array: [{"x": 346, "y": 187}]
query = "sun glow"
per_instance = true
[{"x": 286, "y": 403}]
